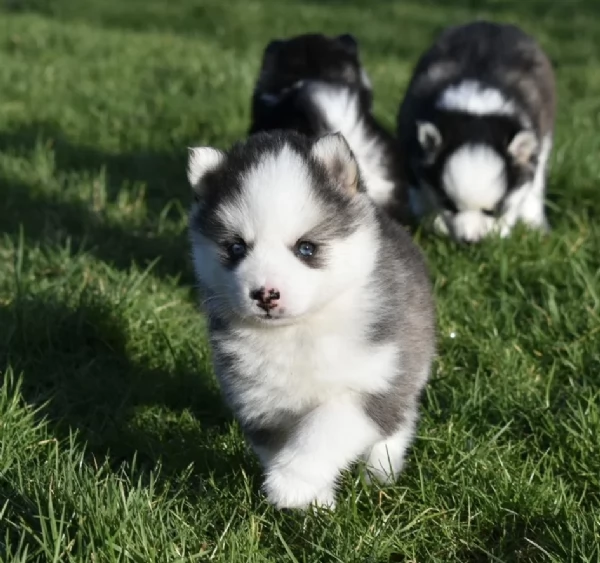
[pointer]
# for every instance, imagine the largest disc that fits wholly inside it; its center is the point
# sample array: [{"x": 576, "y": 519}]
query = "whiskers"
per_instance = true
[{"x": 218, "y": 305}]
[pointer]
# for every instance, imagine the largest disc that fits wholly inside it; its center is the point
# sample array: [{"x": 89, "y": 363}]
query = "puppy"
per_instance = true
[
  {"x": 315, "y": 85},
  {"x": 476, "y": 131},
  {"x": 320, "y": 308}
]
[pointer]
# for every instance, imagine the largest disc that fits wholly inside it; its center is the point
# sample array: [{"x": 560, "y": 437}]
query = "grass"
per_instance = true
[{"x": 114, "y": 444}]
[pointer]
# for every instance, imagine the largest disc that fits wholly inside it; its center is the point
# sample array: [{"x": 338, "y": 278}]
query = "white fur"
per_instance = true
[
  {"x": 202, "y": 160},
  {"x": 472, "y": 96},
  {"x": 272, "y": 216},
  {"x": 527, "y": 203},
  {"x": 468, "y": 225},
  {"x": 523, "y": 146},
  {"x": 474, "y": 178},
  {"x": 317, "y": 360},
  {"x": 335, "y": 154},
  {"x": 472, "y": 226},
  {"x": 385, "y": 461},
  {"x": 330, "y": 438},
  {"x": 340, "y": 108}
]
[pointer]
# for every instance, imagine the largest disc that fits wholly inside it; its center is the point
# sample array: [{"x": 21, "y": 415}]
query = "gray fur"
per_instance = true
[
  {"x": 499, "y": 57},
  {"x": 413, "y": 329},
  {"x": 398, "y": 303}
]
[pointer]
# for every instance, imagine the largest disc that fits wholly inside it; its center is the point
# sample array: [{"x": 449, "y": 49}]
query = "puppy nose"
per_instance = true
[{"x": 267, "y": 298}]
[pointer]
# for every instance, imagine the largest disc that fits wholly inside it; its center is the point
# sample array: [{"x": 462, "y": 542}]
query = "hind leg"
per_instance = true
[
  {"x": 386, "y": 458},
  {"x": 532, "y": 211}
]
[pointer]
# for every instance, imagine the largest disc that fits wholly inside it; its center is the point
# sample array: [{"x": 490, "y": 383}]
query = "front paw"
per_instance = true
[
  {"x": 472, "y": 226},
  {"x": 285, "y": 488}
]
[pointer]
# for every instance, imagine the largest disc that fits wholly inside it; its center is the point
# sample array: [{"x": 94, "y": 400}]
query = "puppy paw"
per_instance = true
[
  {"x": 285, "y": 488},
  {"x": 472, "y": 226}
]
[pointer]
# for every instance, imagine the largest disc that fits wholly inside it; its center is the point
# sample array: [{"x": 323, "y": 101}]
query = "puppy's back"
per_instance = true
[{"x": 500, "y": 56}]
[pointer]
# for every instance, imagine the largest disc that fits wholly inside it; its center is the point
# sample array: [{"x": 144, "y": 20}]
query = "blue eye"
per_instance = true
[
  {"x": 306, "y": 249},
  {"x": 237, "y": 250}
]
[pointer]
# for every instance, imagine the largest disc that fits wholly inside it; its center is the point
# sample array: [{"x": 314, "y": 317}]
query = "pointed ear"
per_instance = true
[
  {"x": 333, "y": 152},
  {"x": 349, "y": 42},
  {"x": 202, "y": 160},
  {"x": 523, "y": 147},
  {"x": 429, "y": 137}
]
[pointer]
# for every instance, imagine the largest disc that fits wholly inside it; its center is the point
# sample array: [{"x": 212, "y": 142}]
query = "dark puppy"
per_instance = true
[
  {"x": 316, "y": 85},
  {"x": 476, "y": 131}
]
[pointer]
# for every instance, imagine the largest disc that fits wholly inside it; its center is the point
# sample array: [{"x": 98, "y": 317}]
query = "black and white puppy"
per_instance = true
[
  {"x": 476, "y": 131},
  {"x": 315, "y": 84},
  {"x": 320, "y": 306}
]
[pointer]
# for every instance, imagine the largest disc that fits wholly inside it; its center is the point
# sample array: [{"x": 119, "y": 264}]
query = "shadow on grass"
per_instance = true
[
  {"x": 48, "y": 219},
  {"x": 524, "y": 539},
  {"x": 77, "y": 368}
]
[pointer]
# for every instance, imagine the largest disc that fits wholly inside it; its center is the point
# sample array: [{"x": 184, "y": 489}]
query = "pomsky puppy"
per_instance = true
[
  {"x": 476, "y": 131},
  {"x": 320, "y": 308},
  {"x": 315, "y": 84}
]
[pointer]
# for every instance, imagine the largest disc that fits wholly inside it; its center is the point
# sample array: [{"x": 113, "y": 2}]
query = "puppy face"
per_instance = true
[
  {"x": 466, "y": 167},
  {"x": 278, "y": 226},
  {"x": 288, "y": 63}
]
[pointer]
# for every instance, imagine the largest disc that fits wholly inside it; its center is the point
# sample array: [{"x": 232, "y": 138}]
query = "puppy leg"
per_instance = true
[
  {"x": 532, "y": 211},
  {"x": 386, "y": 459},
  {"x": 327, "y": 441}
]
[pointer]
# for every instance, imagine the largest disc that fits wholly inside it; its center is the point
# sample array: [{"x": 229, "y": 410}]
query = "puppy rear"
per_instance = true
[
  {"x": 288, "y": 63},
  {"x": 315, "y": 85}
]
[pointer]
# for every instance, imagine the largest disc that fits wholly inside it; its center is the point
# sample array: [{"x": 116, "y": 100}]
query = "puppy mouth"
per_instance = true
[{"x": 268, "y": 318}]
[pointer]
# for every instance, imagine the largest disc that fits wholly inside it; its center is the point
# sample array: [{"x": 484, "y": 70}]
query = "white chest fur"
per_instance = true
[{"x": 294, "y": 368}]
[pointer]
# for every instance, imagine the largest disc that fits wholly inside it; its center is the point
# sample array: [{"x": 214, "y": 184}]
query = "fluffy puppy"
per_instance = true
[
  {"x": 476, "y": 131},
  {"x": 320, "y": 307},
  {"x": 315, "y": 85}
]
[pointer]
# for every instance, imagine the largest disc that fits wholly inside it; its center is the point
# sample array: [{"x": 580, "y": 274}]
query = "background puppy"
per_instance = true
[
  {"x": 476, "y": 130},
  {"x": 320, "y": 308},
  {"x": 315, "y": 85}
]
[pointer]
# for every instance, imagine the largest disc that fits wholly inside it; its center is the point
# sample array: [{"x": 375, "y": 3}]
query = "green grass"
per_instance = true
[{"x": 114, "y": 444}]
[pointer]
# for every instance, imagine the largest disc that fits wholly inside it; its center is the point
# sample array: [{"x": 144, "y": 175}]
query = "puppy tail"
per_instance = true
[{"x": 332, "y": 108}]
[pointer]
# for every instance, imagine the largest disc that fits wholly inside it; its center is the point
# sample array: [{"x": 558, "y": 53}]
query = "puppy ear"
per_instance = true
[
  {"x": 523, "y": 147},
  {"x": 273, "y": 46},
  {"x": 429, "y": 138},
  {"x": 349, "y": 42},
  {"x": 333, "y": 152},
  {"x": 201, "y": 161}
]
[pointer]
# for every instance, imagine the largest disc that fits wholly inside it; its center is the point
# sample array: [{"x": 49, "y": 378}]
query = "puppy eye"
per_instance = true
[
  {"x": 237, "y": 250},
  {"x": 305, "y": 249}
]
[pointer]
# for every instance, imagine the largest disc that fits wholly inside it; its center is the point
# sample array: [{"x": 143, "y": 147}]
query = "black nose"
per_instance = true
[{"x": 267, "y": 299}]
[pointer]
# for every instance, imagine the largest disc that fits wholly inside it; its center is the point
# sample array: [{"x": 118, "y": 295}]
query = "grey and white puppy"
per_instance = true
[
  {"x": 320, "y": 307},
  {"x": 476, "y": 131}
]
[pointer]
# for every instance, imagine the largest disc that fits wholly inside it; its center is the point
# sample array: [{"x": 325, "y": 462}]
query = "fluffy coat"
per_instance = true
[
  {"x": 476, "y": 130},
  {"x": 320, "y": 307},
  {"x": 315, "y": 84}
]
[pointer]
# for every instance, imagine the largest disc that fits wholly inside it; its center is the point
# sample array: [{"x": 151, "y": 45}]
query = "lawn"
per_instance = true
[{"x": 114, "y": 443}]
